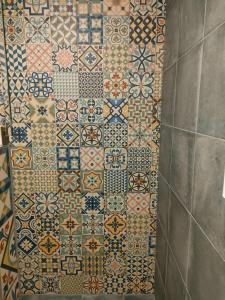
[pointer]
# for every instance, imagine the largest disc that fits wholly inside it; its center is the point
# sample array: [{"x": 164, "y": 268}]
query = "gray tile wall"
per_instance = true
[{"x": 190, "y": 262}]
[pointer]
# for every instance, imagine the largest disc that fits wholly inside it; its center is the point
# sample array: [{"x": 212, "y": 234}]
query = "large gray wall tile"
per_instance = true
[
  {"x": 161, "y": 252},
  {"x": 214, "y": 14},
  {"x": 172, "y": 33},
  {"x": 174, "y": 286},
  {"x": 165, "y": 151},
  {"x": 182, "y": 164},
  {"x": 192, "y": 14},
  {"x": 187, "y": 92},
  {"x": 168, "y": 95},
  {"x": 163, "y": 203},
  {"x": 212, "y": 105},
  {"x": 159, "y": 287},
  {"x": 207, "y": 269},
  {"x": 208, "y": 203},
  {"x": 179, "y": 225}
]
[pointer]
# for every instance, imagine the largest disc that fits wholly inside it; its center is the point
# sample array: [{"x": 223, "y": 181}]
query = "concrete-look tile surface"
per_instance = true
[
  {"x": 182, "y": 165},
  {"x": 208, "y": 203},
  {"x": 191, "y": 12},
  {"x": 165, "y": 152},
  {"x": 187, "y": 89},
  {"x": 163, "y": 203},
  {"x": 214, "y": 14},
  {"x": 179, "y": 225},
  {"x": 207, "y": 269},
  {"x": 212, "y": 93}
]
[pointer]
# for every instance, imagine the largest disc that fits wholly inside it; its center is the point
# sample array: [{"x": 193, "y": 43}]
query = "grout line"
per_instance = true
[
  {"x": 186, "y": 209},
  {"x": 193, "y": 132}
]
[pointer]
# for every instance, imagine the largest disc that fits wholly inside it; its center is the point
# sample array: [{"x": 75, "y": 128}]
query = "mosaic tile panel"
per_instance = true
[{"x": 84, "y": 81}]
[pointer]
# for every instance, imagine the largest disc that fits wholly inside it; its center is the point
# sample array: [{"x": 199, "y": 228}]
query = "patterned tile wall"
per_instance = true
[
  {"x": 84, "y": 79},
  {"x": 9, "y": 288}
]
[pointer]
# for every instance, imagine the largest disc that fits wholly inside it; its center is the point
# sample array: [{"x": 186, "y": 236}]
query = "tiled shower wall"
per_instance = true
[
  {"x": 84, "y": 80},
  {"x": 8, "y": 259},
  {"x": 191, "y": 243}
]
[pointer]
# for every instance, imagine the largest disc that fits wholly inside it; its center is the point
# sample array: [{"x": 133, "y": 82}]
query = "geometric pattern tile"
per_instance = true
[{"x": 68, "y": 135}]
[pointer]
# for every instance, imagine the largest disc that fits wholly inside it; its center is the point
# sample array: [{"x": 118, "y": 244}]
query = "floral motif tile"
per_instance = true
[
  {"x": 116, "y": 86},
  {"x": 91, "y": 111},
  {"x": 115, "y": 158},
  {"x": 64, "y": 58},
  {"x": 92, "y": 181},
  {"x": 66, "y": 110},
  {"x": 116, "y": 30},
  {"x": 91, "y": 135},
  {"x": 41, "y": 110}
]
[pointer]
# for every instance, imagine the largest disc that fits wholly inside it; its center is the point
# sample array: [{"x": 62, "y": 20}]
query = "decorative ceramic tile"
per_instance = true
[
  {"x": 43, "y": 135},
  {"x": 70, "y": 202},
  {"x": 116, "y": 111},
  {"x": 22, "y": 182},
  {"x": 90, "y": 58},
  {"x": 115, "y": 135},
  {"x": 68, "y": 158},
  {"x": 115, "y": 203},
  {"x": 69, "y": 181},
  {"x": 64, "y": 58},
  {"x": 71, "y": 265},
  {"x": 21, "y": 158},
  {"x": 16, "y": 57},
  {"x": 63, "y": 30},
  {"x": 90, "y": 30},
  {"x": 89, "y": 8},
  {"x": 92, "y": 245},
  {"x": 115, "y": 224},
  {"x": 143, "y": 8},
  {"x": 14, "y": 30},
  {"x": 92, "y": 203},
  {"x": 40, "y": 85},
  {"x": 66, "y": 110},
  {"x": 37, "y": 30},
  {"x": 71, "y": 245},
  {"x": 48, "y": 244},
  {"x": 140, "y": 274},
  {"x": 91, "y": 85},
  {"x": 116, "y": 58},
  {"x": 93, "y": 285},
  {"x": 18, "y": 86},
  {"x": 142, "y": 58},
  {"x": 115, "y": 244},
  {"x": 138, "y": 225},
  {"x": 141, "y": 85},
  {"x": 116, "y": 30},
  {"x": 63, "y": 8},
  {"x": 115, "y": 158},
  {"x": 21, "y": 135},
  {"x": 39, "y": 58},
  {"x": 91, "y": 111},
  {"x": 19, "y": 110},
  {"x": 70, "y": 224},
  {"x": 115, "y": 181},
  {"x": 139, "y": 182},
  {"x": 50, "y": 284},
  {"x": 92, "y": 224},
  {"x": 41, "y": 110},
  {"x": 66, "y": 85},
  {"x": 91, "y": 158},
  {"x": 45, "y": 181},
  {"x": 139, "y": 159},
  {"x": 68, "y": 135},
  {"x": 71, "y": 284},
  {"x": 116, "y": 86},
  {"x": 91, "y": 135},
  {"x": 137, "y": 245},
  {"x": 139, "y": 135},
  {"x": 44, "y": 158},
  {"x": 32, "y": 8},
  {"x": 139, "y": 110},
  {"x": 138, "y": 203},
  {"x": 116, "y": 8},
  {"x": 142, "y": 30},
  {"x": 92, "y": 181},
  {"x": 93, "y": 265}
]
